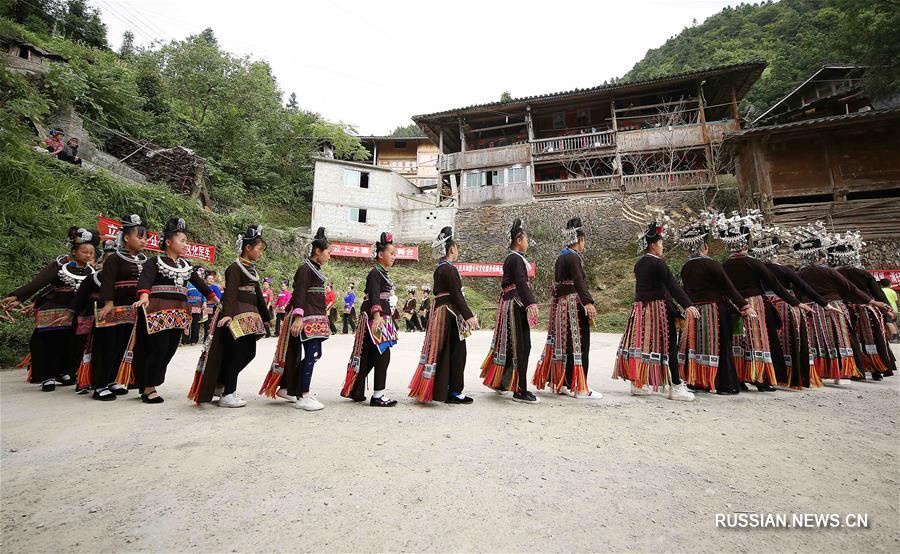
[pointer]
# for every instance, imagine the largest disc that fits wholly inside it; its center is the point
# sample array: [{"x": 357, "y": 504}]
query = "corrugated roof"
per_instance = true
[
  {"x": 389, "y": 137},
  {"x": 801, "y": 85},
  {"x": 832, "y": 119},
  {"x": 752, "y": 65}
]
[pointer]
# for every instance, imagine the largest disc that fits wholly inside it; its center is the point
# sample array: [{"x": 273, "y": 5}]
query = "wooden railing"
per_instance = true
[
  {"x": 486, "y": 157},
  {"x": 671, "y": 180},
  {"x": 577, "y": 185},
  {"x": 561, "y": 145}
]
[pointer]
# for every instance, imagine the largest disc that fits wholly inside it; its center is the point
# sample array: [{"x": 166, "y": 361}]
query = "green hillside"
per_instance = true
[{"x": 794, "y": 36}]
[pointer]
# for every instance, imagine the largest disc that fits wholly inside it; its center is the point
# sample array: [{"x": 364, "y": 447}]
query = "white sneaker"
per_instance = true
[
  {"x": 231, "y": 401},
  {"x": 238, "y": 396},
  {"x": 842, "y": 381},
  {"x": 565, "y": 392},
  {"x": 219, "y": 390},
  {"x": 642, "y": 391},
  {"x": 308, "y": 403},
  {"x": 283, "y": 394},
  {"x": 591, "y": 394},
  {"x": 680, "y": 392}
]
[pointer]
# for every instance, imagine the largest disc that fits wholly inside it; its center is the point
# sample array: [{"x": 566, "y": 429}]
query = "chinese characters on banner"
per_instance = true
[
  {"x": 488, "y": 269},
  {"x": 110, "y": 227},
  {"x": 348, "y": 250},
  {"x": 892, "y": 275}
]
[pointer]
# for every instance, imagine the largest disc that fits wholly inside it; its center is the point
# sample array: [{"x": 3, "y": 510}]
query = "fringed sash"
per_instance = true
[
  {"x": 698, "y": 351},
  {"x": 279, "y": 362},
  {"x": 362, "y": 327},
  {"x": 750, "y": 350},
  {"x": 422, "y": 385},
  {"x": 869, "y": 324},
  {"x": 551, "y": 367},
  {"x": 642, "y": 357},
  {"x": 200, "y": 372},
  {"x": 829, "y": 342},
  {"x": 499, "y": 369}
]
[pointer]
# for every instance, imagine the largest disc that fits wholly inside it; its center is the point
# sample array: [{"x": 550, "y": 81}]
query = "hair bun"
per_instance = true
[
  {"x": 174, "y": 225},
  {"x": 574, "y": 223},
  {"x": 320, "y": 233},
  {"x": 446, "y": 232},
  {"x": 387, "y": 238}
]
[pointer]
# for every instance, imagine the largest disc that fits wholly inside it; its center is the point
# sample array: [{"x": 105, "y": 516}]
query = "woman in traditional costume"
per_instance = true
[
  {"x": 163, "y": 313},
  {"x": 506, "y": 366},
  {"x": 116, "y": 314},
  {"x": 305, "y": 328},
  {"x": 868, "y": 320},
  {"x": 648, "y": 352},
  {"x": 239, "y": 321},
  {"x": 440, "y": 373},
  {"x": 565, "y": 359},
  {"x": 791, "y": 333},
  {"x": 830, "y": 333},
  {"x": 755, "y": 356},
  {"x": 376, "y": 331},
  {"x": 704, "y": 354},
  {"x": 55, "y": 356}
]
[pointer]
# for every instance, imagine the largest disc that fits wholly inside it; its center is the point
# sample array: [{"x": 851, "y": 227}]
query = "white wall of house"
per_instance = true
[{"x": 340, "y": 201}]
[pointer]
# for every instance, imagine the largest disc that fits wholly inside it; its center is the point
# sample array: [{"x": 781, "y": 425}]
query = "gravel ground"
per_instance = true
[{"x": 623, "y": 473}]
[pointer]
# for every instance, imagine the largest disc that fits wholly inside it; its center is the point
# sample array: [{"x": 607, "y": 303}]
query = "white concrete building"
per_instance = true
[{"x": 357, "y": 201}]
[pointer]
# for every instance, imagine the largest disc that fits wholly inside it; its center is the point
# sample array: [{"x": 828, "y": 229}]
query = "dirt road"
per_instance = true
[{"x": 624, "y": 473}]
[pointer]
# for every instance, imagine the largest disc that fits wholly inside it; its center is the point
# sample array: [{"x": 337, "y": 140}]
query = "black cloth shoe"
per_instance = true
[
  {"x": 727, "y": 392},
  {"x": 765, "y": 388},
  {"x": 48, "y": 386},
  {"x": 382, "y": 402},
  {"x": 452, "y": 399},
  {"x": 82, "y": 390},
  {"x": 744, "y": 387},
  {"x": 117, "y": 389},
  {"x": 888, "y": 373},
  {"x": 65, "y": 380},
  {"x": 355, "y": 398},
  {"x": 147, "y": 400},
  {"x": 527, "y": 397},
  {"x": 860, "y": 378},
  {"x": 98, "y": 395},
  {"x": 876, "y": 376}
]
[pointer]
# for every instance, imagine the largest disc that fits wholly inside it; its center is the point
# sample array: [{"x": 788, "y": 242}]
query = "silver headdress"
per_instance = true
[
  {"x": 439, "y": 245},
  {"x": 253, "y": 232},
  {"x": 846, "y": 249}
]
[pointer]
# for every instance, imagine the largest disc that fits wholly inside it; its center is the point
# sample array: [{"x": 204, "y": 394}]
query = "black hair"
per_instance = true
[
  {"x": 653, "y": 234},
  {"x": 575, "y": 223},
  {"x": 320, "y": 242},
  {"x": 517, "y": 230},
  {"x": 383, "y": 241},
  {"x": 79, "y": 235},
  {"x": 884, "y": 282},
  {"x": 447, "y": 232},
  {"x": 174, "y": 226},
  {"x": 133, "y": 224},
  {"x": 251, "y": 238}
]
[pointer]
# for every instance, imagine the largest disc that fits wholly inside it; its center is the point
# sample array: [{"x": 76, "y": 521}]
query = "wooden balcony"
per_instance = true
[
  {"x": 582, "y": 185},
  {"x": 665, "y": 181},
  {"x": 488, "y": 157},
  {"x": 509, "y": 193},
  {"x": 679, "y": 136},
  {"x": 557, "y": 146}
]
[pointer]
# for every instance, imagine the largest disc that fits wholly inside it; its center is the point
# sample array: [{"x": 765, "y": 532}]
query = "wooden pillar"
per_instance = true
[
  {"x": 734, "y": 111},
  {"x": 707, "y": 151},
  {"x": 375, "y": 153},
  {"x": 615, "y": 128},
  {"x": 529, "y": 177},
  {"x": 462, "y": 137},
  {"x": 529, "y": 124},
  {"x": 441, "y": 141}
]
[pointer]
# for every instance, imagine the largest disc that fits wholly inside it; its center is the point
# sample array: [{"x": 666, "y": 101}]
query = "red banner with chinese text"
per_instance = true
[
  {"x": 892, "y": 275},
  {"x": 488, "y": 269},
  {"x": 348, "y": 250},
  {"x": 204, "y": 252}
]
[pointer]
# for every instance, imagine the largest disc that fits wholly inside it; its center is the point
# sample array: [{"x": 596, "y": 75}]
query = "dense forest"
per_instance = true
[{"x": 795, "y": 37}]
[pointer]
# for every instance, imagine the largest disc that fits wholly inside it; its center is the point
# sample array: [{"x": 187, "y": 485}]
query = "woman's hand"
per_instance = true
[
  {"x": 143, "y": 301},
  {"x": 105, "y": 310},
  {"x": 591, "y": 311},
  {"x": 9, "y": 302},
  {"x": 223, "y": 321},
  {"x": 296, "y": 327},
  {"x": 472, "y": 322}
]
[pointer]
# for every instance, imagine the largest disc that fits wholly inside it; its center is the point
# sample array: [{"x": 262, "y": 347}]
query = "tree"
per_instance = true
[
  {"x": 83, "y": 24},
  {"x": 411, "y": 130},
  {"x": 505, "y": 96},
  {"x": 292, "y": 104},
  {"x": 127, "y": 48}
]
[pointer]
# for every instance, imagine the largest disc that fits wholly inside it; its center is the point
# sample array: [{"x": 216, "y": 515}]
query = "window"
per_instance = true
[
  {"x": 583, "y": 118},
  {"x": 358, "y": 215},
  {"x": 427, "y": 183},
  {"x": 23, "y": 52},
  {"x": 356, "y": 179},
  {"x": 559, "y": 120},
  {"x": 474, "y": 179},
  {"x": 496, "y": 177},
  {"x": 399, "y": 144},
  {"x": 516, "y": 175}
]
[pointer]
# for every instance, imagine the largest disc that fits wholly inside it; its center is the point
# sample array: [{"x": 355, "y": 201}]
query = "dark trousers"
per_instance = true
[
  {"x": 312, "y": 351},
  {"x": 673, "y": 350},
  {"x": 194, "y": 334},
  {"x": 449, "y": 375},
  {"x": 348, "y": 320},
  {"x": 152, "y": 354},
  {"x": 53, "y": 354},
  {"x": 279, "y": 318},
  {"x": 371, "y": 359},
  {"x": 523, "y": 346},
  {"x": 585, "y": 333},
  {"x": 726, "y": 375},
  {"x": 332, "y": 317},
  {"x": 238, "y": 354},
  {"x": 773, "y": 324},
  {"x": 108, "y": 350}
]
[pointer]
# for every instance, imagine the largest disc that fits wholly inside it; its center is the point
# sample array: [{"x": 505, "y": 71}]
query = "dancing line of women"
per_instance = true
[{"x": 749, "y": 320}]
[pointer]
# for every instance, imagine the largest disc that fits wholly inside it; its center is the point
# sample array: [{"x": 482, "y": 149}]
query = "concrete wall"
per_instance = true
[{"x": 410, "y": 220}]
